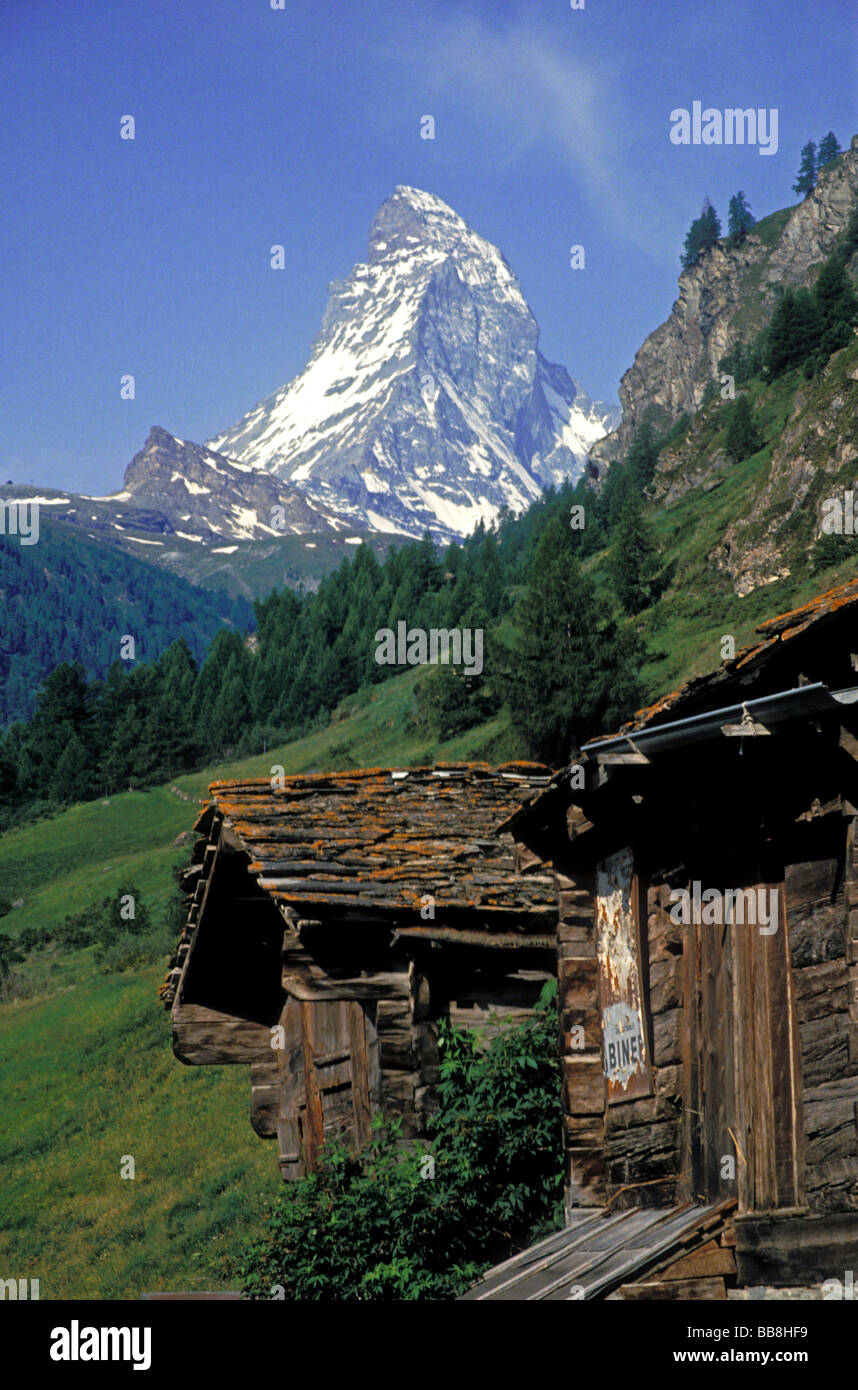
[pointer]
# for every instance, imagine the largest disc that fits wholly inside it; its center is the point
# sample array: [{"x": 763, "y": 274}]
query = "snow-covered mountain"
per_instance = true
[
  {"x": 426, "y": 401},
  {"x": 197, "y": 494}
]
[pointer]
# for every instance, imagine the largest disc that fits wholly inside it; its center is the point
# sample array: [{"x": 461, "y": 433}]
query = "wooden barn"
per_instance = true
[
  {"x": 706, "y": 861},
  {"x": 335, "y": 919}
]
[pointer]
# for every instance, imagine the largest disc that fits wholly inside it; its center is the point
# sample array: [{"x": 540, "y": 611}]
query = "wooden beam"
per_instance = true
[{"x": 795, "y": 1249}]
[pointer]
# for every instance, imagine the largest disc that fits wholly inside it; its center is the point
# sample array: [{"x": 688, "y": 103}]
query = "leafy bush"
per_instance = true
[
  {"x": 829, "y": 550},
  {"x": 83, "y": 928},
  {"x": 10, "y": 954},
  {"x": 121, "y": 940},
  {"x": 500, "y": 1124},
  {"x": 742, "y": 438},
  {"x": 449, "y": 702},
  {"x": 129, "y": 949},
  {"x": 424, "y": 1221}
]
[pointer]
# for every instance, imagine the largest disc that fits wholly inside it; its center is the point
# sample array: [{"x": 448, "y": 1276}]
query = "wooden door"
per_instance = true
[
  {"x": 740, "y": 1059},
  {"x": 328, "y": 1065},
  {"x": 767, "y": 1068},
  {"x": 708, "y": 1106}
]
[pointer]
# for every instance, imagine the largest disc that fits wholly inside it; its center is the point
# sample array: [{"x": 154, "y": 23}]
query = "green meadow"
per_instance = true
[{"x": 87, "y": 1074}]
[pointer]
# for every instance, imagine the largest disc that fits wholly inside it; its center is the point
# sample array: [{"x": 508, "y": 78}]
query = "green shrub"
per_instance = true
[
  {"x": 424, "y": 1221},
  {"x": 830, "y": 550},
  {"x": 119, "y": 927}
]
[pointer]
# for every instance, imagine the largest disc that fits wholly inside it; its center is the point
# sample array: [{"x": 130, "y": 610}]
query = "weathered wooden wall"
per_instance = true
[
  {"x": 641, "y": 1150},
  {"x": 253, "y": 982},
  {"x": 642, "y": 1137},
  {"x": 584, "y": 1090},
  {"x": 634, "y": 1145},
  {"x": 822, "y": 922}
]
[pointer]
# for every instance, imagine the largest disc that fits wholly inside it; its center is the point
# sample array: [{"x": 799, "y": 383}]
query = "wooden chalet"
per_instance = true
[
  {"x": 693, "y": 880},
  {"x": 706, "y": 860},
  {"x": 335, "y": 919}
]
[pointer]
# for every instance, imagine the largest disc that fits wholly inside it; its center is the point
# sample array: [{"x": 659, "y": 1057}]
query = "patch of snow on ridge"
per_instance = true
[
  {"x": 45, "y": 501},
  {"x": 381, "y": 523}
]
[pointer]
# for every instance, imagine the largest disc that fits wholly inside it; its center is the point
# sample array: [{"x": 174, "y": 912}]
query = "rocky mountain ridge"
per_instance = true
[
  {"x": 201, "y": 495},
  {"x": 723, "y": 299}
]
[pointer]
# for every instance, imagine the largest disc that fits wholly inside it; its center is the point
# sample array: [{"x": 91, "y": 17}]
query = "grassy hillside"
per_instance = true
[
  {"x": 87, "y": 1074},
  {"x": 741, "y": 538},
  {"x": 73, "y": 598}
]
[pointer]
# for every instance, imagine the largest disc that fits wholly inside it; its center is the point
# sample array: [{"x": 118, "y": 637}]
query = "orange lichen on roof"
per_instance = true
[
  {"x": 366, "y": 838},
  {"x": 784, "y": 627},
  {"x": 818, "y": 607}
]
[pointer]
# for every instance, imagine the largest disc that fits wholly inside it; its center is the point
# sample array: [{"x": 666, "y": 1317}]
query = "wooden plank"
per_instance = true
[
  {"x": 578, "y": 1220},
  {"x": 360, "y": 1075},
  {"x": 767, "y": 1065},
  {"x": 332, "y": 1064},
  {"x": 795, "y": 1249},
  {"x": 661, "y": 1291},
  {"x": 313, "y": 1135},
  {"x": 830, "y": 1126},
  {"x": 307, "y": 988},
  {"x": 766, "y": 1007},
  {"x": 227, "y": 1042},
  {"x": 745, "y": 1091},
  {"x": 709, "y": 1260},
  {"x": 716, "y": 1035},
  {"x": 598, "y": 1252},
  {"x": 786, "y": 1068},
  {"x": 293, "y": 1096},
  {"x": 521, "y": 1269},
  {"x": 665, "y": 1231},
  {"x": 690, "y": 1176}
]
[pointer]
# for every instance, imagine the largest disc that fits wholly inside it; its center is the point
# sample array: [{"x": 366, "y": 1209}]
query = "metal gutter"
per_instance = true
[{"x": 803, "y": 700}]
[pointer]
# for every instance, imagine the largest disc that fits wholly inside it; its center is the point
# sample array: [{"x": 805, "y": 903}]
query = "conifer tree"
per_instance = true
[
  {"x": 829, "y": 149},
  {"x": 72, "y": 778},
  {"x": 119, "y": 762},
  {"x": 634, "y": 558},
  {"x": 743, "y": 438},
  {"x": 740, "y": 219},
  {"x": 806, "y": 178},
  {"x": 490, "y": 578},
  {"x": 836, "y": 298},
  {"x": 794, "y": 332},
  {"x": 642, "y": 457},
  {"x": 571, "y": 675},
  {"x": 703, "y": 234}
]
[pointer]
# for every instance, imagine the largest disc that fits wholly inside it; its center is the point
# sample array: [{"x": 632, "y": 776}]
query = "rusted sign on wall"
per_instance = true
[{"x": 624, "y": 1034}]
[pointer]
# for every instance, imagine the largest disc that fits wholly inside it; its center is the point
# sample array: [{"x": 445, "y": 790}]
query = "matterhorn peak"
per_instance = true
[
  {"x": 427, "y": 217},
  {"x": 426, "y": 402}
]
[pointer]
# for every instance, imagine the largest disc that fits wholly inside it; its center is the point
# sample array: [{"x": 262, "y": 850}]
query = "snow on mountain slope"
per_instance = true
[
  {"x": 426, "y": 401},
  {"x": 200, "y": 495}
]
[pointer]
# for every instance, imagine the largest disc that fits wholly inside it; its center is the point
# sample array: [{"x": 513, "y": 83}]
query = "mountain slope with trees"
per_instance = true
[
  {"x": 70, "y": 598},
  {"x": 728, "y": 290}
]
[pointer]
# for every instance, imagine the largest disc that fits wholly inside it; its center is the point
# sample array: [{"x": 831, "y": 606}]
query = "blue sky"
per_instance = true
[{"x": 257, "y": 126}]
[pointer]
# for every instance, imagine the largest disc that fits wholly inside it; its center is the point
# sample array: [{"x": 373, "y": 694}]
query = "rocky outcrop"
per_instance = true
[
  {"x": 191, "y": 491},
  {"x": 816, "y": 458},
  {"x": 725, "y": 298}
]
